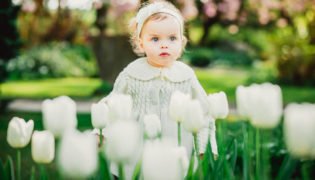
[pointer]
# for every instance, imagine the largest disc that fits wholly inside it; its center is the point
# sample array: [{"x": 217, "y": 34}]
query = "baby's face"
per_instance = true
[{"x": 161, "y": 41}]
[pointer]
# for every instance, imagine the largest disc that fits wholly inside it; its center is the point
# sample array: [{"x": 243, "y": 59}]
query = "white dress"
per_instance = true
[{"x": 151, "y": 89}]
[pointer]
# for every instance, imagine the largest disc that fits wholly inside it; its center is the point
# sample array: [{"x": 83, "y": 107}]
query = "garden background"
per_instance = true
[{"x": 77, "y": 48}]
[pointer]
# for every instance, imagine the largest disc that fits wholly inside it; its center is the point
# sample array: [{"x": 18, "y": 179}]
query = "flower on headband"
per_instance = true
[{"x": 144, "y": 13}]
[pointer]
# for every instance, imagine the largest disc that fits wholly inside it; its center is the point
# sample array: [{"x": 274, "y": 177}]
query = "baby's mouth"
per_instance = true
[{"x": 164, "y": 54}]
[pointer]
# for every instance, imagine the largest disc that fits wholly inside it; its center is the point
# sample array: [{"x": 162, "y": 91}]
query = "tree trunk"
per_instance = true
[{"x": 113, "y": 54}]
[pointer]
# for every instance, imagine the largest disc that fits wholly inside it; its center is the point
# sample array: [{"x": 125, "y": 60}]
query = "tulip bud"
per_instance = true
[
  {"x": 194, "y": 121},
  {"x": 162, "y": 159},
  {"x": 298, "y": 128},
  {"x": 78, "y": 155},
  {"x": 152, "y": 125},
  {"x": 43, "y": 146},
  {"x": 219, "y": 107},
  {"x": 120, "y": 107},
  {"x": 19, "y": 132},
  {"x": 177, "y": 106},
  {"x": 122, "y": 141},
  {"x": 59, "y": 114},
  {"x": 100, "y": 115}
]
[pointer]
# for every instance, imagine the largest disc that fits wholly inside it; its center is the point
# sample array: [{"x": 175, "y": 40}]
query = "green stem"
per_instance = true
[
  {"x": 18, "y": 164},
  {"x": 258, "y": 154},
  {"x": 33, "y": 177},
  {"x": 43, "y": 175},
  {"x": 121, "y": 171},
  {"x": 178, "y": 134},
  {"x": 246, "y": 164},
  {"x": 196, "y": 145},
  {"x": 101, "y": 137}
]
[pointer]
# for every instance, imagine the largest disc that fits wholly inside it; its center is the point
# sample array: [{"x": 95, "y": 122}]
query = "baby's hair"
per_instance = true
[{"x": 155, "y": 17}]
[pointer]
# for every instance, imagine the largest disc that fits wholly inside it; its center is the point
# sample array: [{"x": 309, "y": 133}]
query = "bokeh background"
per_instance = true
[{"x": 77, "y": 48}]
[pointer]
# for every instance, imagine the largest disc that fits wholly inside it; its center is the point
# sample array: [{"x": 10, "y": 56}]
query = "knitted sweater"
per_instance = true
[{"x": 151, "y": 89}]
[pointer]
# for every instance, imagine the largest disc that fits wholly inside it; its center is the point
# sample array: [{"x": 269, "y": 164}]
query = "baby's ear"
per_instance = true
[{"x": 140, "y": 43}]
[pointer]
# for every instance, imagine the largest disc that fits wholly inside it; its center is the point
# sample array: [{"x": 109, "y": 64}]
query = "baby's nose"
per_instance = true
[{"x": 164, "y": 45}]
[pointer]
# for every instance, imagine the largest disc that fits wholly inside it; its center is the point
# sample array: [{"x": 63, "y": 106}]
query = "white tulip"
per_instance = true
[
  {"x": 261, "y": 104},
  {"x": 122, "y": 141},
  {"x": 43, "y": 146},
  {"x": 59, "y": 114},
  {"x": 242, "y": 100},
  {"x": 120, "y": 107},
  {"x": 298, "y": 127},
  {"x": 100, "y": 115},
  {"x": 219, "y": 107},
  {"x": 194, "y": 119},
  {"x": 177, "y": 106},
  {"x": 264, "y": 105},
  {"x": 78, "y": 154},
  {"x": 19, "y": 132},
  {"x": 163, "y": 159},
  {"x": 152, "y": 125}
]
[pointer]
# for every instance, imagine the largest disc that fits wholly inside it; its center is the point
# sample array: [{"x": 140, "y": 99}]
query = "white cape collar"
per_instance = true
[{"x": 142, "y": 70}]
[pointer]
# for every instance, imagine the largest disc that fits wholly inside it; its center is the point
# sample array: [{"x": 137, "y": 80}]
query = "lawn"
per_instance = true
[{"x": 212, "y": 79}]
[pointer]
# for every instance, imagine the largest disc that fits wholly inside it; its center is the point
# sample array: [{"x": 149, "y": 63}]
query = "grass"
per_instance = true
[
  {"x": 213, "y": 80},
  {"x": 47, "y": 88}
]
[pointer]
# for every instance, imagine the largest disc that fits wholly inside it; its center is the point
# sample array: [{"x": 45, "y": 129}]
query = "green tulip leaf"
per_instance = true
[{"x": 9, "y": 169}]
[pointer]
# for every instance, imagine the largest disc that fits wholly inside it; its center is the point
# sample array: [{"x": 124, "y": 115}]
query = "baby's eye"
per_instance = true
[
  {"x": 173, "y": 38},
  {"x": 155, "y": 39}
]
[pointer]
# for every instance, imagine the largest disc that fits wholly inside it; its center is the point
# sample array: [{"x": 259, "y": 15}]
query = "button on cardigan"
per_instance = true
[{"x": 151, "y": 89}]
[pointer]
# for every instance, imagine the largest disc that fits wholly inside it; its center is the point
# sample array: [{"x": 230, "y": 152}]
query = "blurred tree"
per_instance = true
[
  {"x": 113, "y": 53},
  {"x": 9, "y": 38}
]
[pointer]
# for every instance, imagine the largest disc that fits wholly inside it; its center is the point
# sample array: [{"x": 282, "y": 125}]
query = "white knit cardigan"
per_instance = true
[{"x": 151, "y": 89}]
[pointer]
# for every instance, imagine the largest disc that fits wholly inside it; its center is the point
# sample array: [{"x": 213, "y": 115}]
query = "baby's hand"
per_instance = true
[{"x": 98, "y": 140}]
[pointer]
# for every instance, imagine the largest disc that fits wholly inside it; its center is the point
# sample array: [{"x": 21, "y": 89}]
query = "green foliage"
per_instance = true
[
  {"x": 7, "y": 171},
  {"x": 9, "y": 37},
  {"x": 53, "y": 60},
  {"x": 227, "y": 55},
  {"x": 295, "y": 57}
]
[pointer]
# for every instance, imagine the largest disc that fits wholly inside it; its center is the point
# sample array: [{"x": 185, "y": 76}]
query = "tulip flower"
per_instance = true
[
  {"x": 298, "y": 127},
  {"x": 43, "y": 146},
  {"x": 100, "y": 115},
  {"x": 262, "y": 104},
  {"x": 18, "y": 136},
  {"x": 176, "y": 107},
  {"x": 162, "y": 159},
  {"x": 177, "y": 110},
  {"x": 242, "y": 100},
  {"x": 194, "y": 121},
  {"x": 77, "y": 155},
  {"x": 122, "y": 141},
  {"x": 219, "y": 107},
  {"x": 120, "y": 107},
  {"x": 19, "y": 132},
  {"x": 152, "y": 125},
  {"x": 59, "y": 114}
]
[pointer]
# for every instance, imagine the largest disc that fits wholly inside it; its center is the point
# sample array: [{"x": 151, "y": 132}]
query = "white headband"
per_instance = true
[{"x": 156, "y": 7}]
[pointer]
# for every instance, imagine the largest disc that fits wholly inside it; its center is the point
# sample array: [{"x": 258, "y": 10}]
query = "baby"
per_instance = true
[{"x": 158, "y": 35}]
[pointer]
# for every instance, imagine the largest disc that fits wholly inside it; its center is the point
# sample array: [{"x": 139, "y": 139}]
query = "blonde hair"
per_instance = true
[{"x": 155, "y": 17}]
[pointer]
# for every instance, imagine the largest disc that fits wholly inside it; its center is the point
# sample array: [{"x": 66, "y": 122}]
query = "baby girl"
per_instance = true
[{"x": 158, "y": 36}]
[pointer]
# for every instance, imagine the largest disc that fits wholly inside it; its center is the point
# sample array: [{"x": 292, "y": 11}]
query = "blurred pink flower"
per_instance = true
[
  {"x": 29, "y": 6},
  {"x": 210, "y": 9},
  {"x": 189, "y": 10},
  {"x": 97, "y": 4},
  {"x": 121, "y": 6}
]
